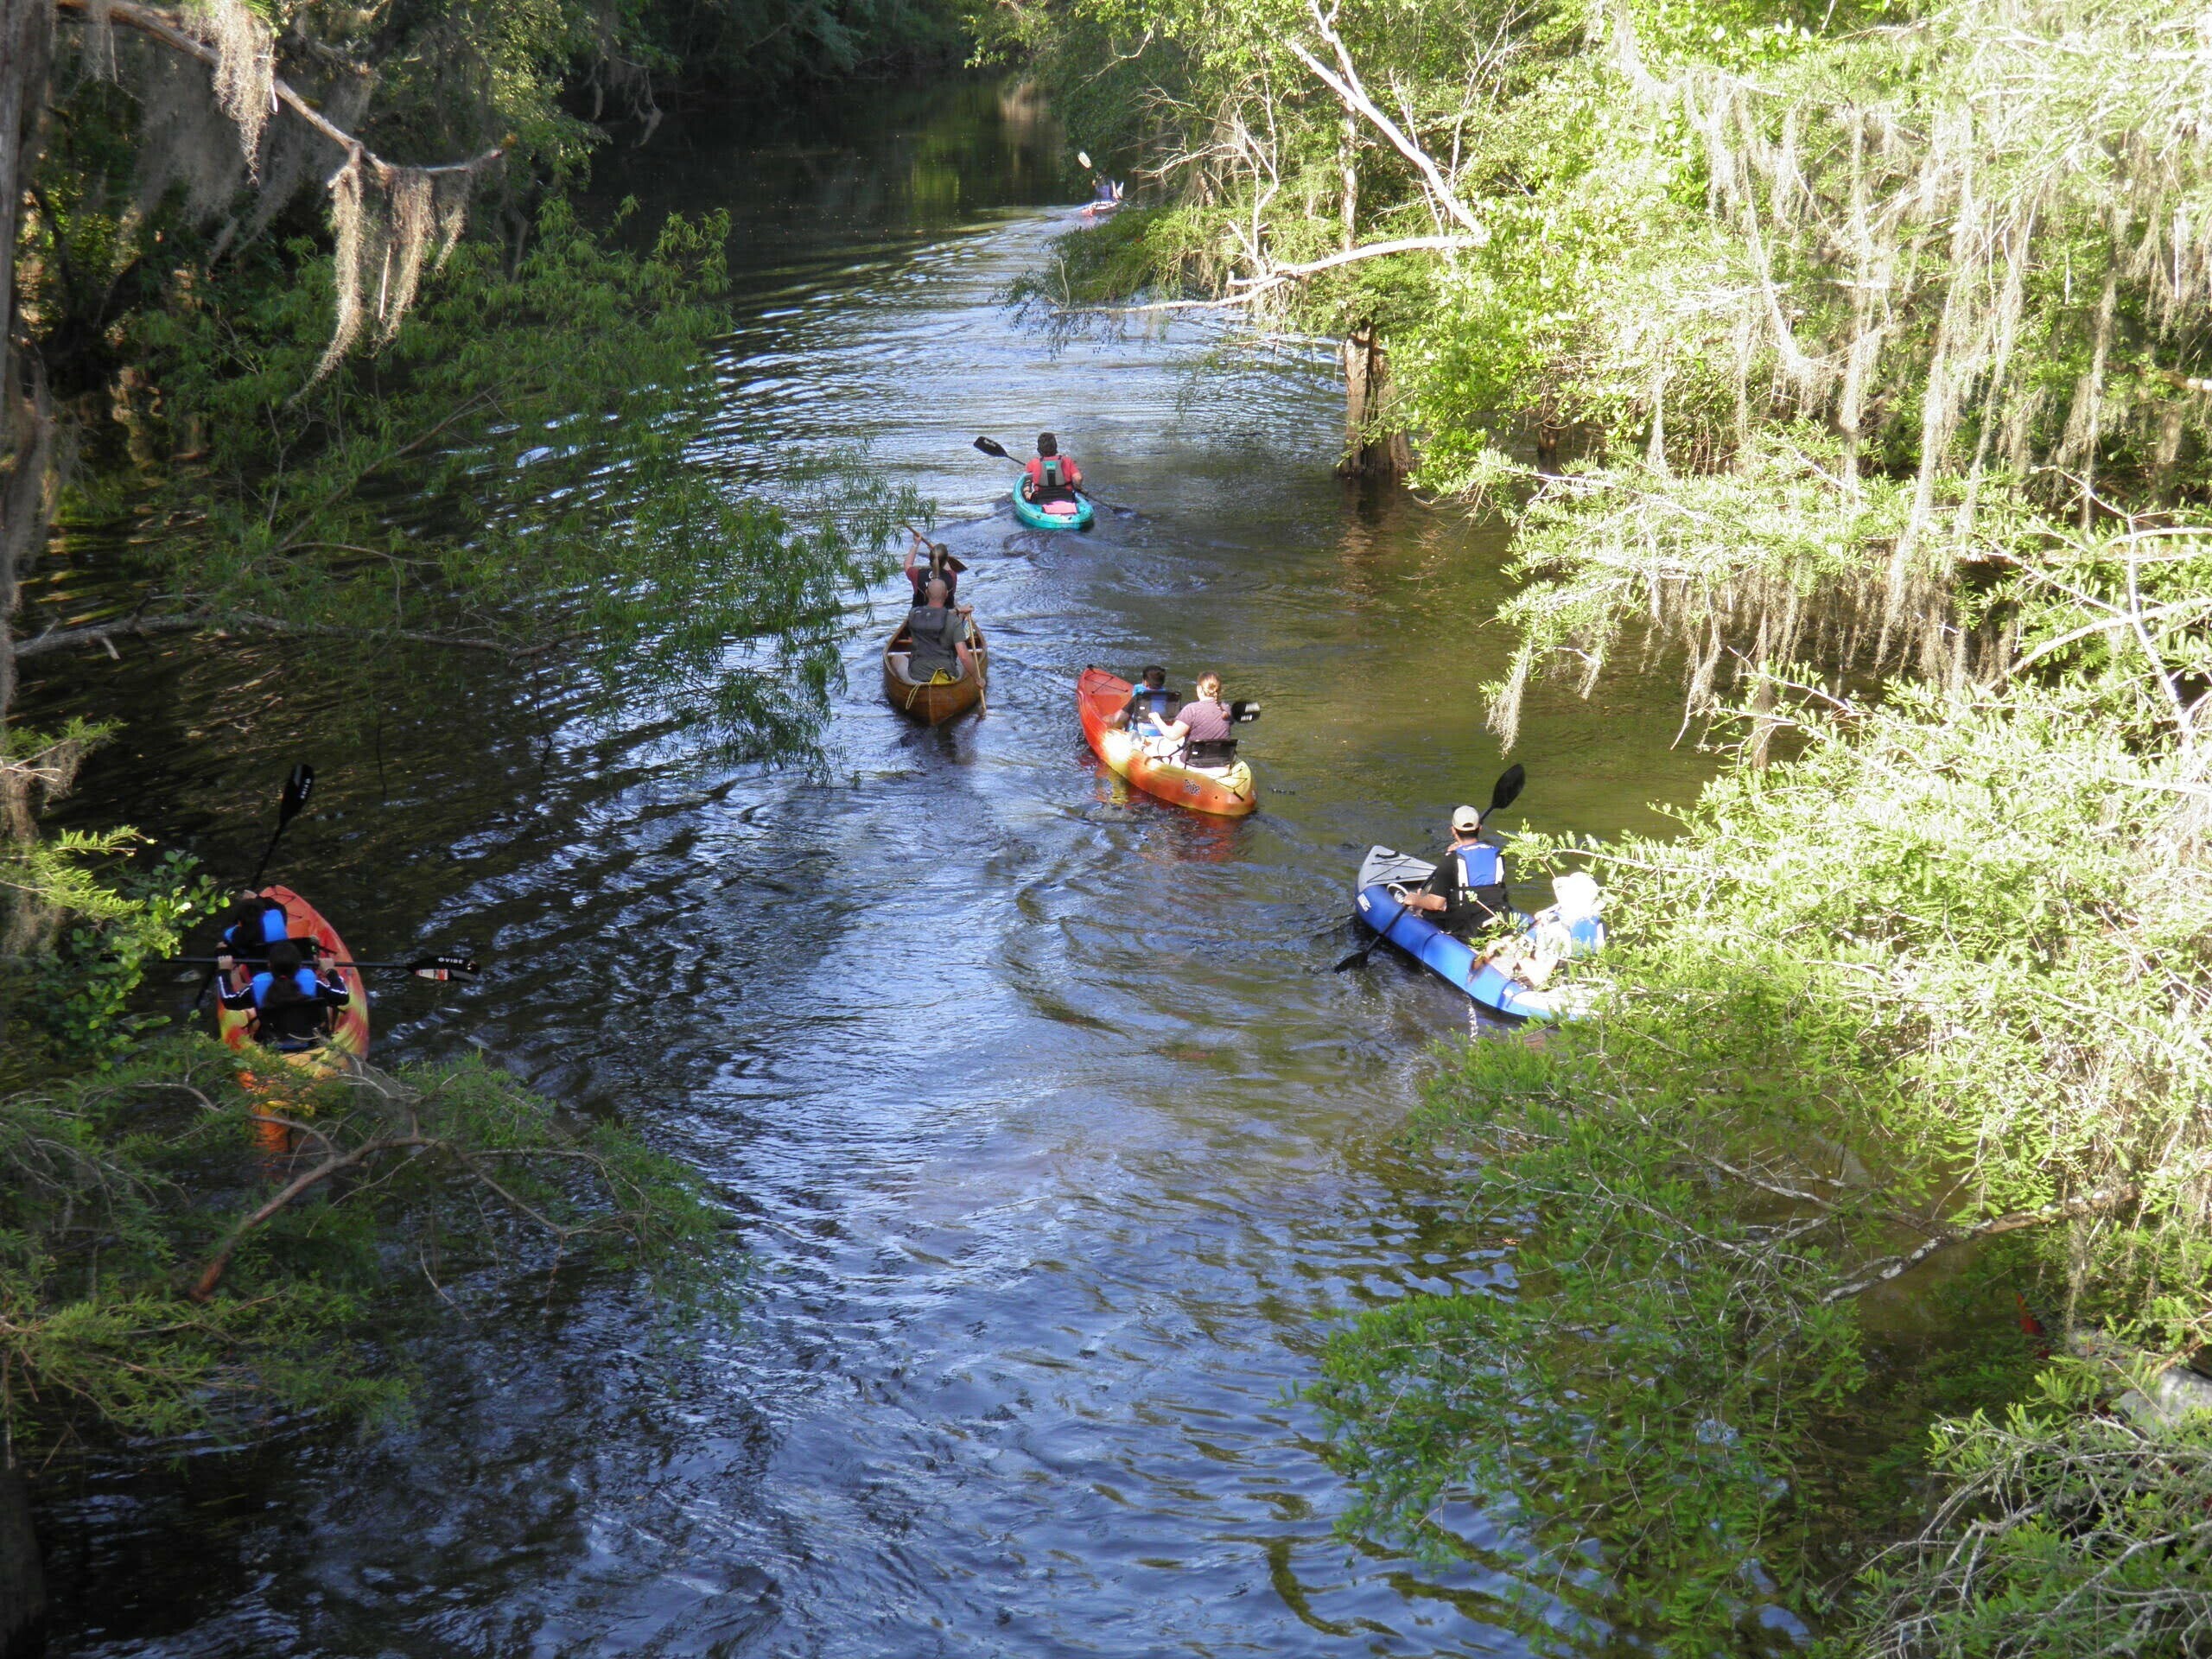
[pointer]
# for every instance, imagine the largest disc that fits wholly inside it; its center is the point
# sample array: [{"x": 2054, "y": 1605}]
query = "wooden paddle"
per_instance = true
[
  {"x": 299, "y": 783},
  {"x": 1507, "y": 792},
  {"x": 993, "y": 446}
]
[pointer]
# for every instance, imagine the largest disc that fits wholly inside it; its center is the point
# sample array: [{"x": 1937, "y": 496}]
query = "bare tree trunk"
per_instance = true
[
  {"x": 1549, "y": 430},
  {"x": 1369, "y": 454},
  {"x": 23, "y": 1581},
  {"x": 26, "y": 421}
]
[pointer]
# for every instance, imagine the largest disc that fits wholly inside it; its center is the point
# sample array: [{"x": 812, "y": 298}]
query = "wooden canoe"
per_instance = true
[
  {"x": 933, "y": 704},
  {"x": 1228, "y": 792}
]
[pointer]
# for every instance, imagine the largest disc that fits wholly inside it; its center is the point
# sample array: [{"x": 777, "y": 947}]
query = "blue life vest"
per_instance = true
[
  {"x": 304, "y": 977},
  {"x": 1162, "y": 703},
  {"x": 274, "y": 925},
  {"x": 1479, "y": 866}
]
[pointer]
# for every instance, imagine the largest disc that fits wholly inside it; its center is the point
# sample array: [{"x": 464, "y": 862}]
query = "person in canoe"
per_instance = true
[
  {"x": 1052, "y": 476},
  {"x": 938, "y": 638},
  {"x": 1151, "y": 706},
  {"x": 253, "y": 925},
  {"x": 1199, "y": 736},
  {"x": 927, "y": 559},
  {"x": 1467, "y": 891},
  {"x": 291, "y": 1001}
]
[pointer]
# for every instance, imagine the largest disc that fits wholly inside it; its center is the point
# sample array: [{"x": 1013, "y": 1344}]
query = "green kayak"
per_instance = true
[{"x": 1055, "y": 515}]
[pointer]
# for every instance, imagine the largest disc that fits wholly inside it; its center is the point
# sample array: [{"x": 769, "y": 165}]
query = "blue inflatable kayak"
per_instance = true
[
  {"x": 1053, "y": 515},
  {"x": 1453, "y": 958}
]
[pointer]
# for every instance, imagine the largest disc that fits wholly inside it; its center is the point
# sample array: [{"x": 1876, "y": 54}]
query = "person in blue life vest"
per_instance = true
[
  {"x": 1467, "y": 891},
  {"x": 1150, "y": 708},
  {"x": 1052, "y": 476},
  {"x": 253, "y": 925},
  {"x": 291, "y": 1003}
]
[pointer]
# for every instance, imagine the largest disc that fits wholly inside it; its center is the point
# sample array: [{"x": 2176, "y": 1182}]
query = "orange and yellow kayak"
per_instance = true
[
  {"x": 1227, "y": 791},
  {"x": 349, "y": 1037}
]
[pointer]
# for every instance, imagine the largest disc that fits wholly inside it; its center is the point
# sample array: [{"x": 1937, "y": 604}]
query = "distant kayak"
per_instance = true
[
  {"x": 349, "y": 1032},
  {"x": 1227, "y": 791},
  {"x": 932, "y": 702},
  {"x": 1053, "y": 515},
  {"x": 1451, "y": 957}
]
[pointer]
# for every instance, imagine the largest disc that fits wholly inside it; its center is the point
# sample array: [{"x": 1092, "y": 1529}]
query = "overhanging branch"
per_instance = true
[
  {"x": 207, "y": 621},
  {"x": 172, "y": 33}
]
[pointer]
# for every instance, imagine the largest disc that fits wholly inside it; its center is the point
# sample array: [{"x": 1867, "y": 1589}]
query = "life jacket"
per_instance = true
[
  {"x": 253, "y": 936},
  {"x": 287, "y": 1020},
  {"x": 931, "y": 632},
  {"x": 1159, "y": 706},
  {"x": 1052, "y": 474},
  {"x": 1479, "y": 879}
]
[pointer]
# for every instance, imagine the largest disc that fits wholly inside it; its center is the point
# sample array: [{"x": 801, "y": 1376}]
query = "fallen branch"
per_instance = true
[{"x": 1894, "y": 1266}]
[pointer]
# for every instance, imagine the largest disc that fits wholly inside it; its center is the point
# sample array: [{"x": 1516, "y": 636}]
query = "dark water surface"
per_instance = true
[{"x": 1056, "y": 1138}]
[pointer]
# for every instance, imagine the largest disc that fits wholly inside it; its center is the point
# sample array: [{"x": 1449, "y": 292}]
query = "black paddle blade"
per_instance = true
[
  {"x": 1509, "y": 788},
  {"x": 1357, "y": 959},
  {"x": 991, "y": 447},
  {"x": 297, "y": 788},
  {"x": 444, "y": 967}
]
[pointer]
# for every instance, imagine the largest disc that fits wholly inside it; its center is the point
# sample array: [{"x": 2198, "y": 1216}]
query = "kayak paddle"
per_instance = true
[
  {"x": 993, "y": 446},
  {"x": 437, "y": 967},
  {"x": 298, "y": 785},
  {"x": 1507, "y": 792}
]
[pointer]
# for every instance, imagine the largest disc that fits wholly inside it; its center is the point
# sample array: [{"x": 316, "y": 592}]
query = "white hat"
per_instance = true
[
  {"x": 1464, "y": 818},
  {"x": 1578, "y": 895}
]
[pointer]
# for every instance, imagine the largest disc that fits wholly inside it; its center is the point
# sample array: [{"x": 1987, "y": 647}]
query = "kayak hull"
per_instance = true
[
  {"x": 1449, "y": 957},
  {"x": 933, "y": 705},
  {"x": 1228, "y": 793},
  {"x": 1037, "y": 519},
  {"x": 349, "y": 1036}
]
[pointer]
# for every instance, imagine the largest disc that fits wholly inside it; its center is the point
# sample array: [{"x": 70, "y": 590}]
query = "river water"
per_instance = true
[{"x": 1057, "y": 1142}]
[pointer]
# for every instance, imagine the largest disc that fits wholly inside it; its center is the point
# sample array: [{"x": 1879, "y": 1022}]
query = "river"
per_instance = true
[{"x": 1056, "y": 1142}]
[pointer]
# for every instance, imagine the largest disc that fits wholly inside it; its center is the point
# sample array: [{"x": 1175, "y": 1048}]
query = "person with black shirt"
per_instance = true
[
  {"x": 940, "y": 564},
  {"x": 1466, "y": 890},
  {"x": 1201, "y": 728},
  {"x": 1150, "y": 706}
]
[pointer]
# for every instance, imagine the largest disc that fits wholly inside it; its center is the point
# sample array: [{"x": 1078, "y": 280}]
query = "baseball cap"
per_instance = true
[{"x": 1465, "y": 818}]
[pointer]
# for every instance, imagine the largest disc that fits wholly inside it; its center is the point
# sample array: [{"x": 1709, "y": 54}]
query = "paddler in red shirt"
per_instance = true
[{"x": 1052, "y": 476}]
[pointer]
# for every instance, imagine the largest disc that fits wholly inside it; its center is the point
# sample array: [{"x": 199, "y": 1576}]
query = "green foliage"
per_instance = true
[
  {"x": 81, "y": 992},
  {"x": 520, "y": 467},
  {"x": 1871, "y": 1007},
  {"x": 126, "y": 1187}
]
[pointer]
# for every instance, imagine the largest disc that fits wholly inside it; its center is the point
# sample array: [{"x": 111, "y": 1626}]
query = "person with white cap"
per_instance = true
[{"x": 1466, "y": 890}]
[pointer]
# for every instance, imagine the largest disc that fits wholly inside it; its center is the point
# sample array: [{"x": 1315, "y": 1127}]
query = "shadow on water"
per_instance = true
[{"x": 1053, "y": 1137}]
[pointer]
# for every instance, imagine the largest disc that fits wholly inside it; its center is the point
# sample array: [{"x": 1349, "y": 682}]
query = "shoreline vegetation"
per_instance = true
[{"x": 1855, "y": 355}]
